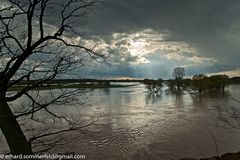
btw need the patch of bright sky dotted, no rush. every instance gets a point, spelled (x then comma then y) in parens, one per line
(139, 44)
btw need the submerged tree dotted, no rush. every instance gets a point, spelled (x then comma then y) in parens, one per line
(202, 83)
(218, 82)
(153, 86)
(178, 74)
(199, 82)
(39, 41)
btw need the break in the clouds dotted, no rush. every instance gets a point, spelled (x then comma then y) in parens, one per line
(147, 53)
(148, 38)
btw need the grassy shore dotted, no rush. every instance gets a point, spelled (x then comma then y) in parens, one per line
(227, 156)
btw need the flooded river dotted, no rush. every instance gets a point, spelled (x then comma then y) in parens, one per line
(132, 124)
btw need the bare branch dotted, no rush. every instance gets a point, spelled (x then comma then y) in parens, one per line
(63, 131)
(35, 53)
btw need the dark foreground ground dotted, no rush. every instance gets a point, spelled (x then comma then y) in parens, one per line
(227, 156)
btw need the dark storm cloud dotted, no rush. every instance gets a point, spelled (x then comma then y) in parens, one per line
(188, 20)
(174, 15)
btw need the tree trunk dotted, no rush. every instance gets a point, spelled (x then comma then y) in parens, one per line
(178, 85)
(16, 140)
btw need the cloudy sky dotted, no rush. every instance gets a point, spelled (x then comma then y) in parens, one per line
(148, 38)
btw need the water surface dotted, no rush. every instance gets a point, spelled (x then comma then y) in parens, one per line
(133, 124)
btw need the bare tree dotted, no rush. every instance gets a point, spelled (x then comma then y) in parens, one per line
(39, 41)
(178, 74)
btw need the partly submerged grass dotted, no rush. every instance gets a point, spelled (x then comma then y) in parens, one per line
(79, 85)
